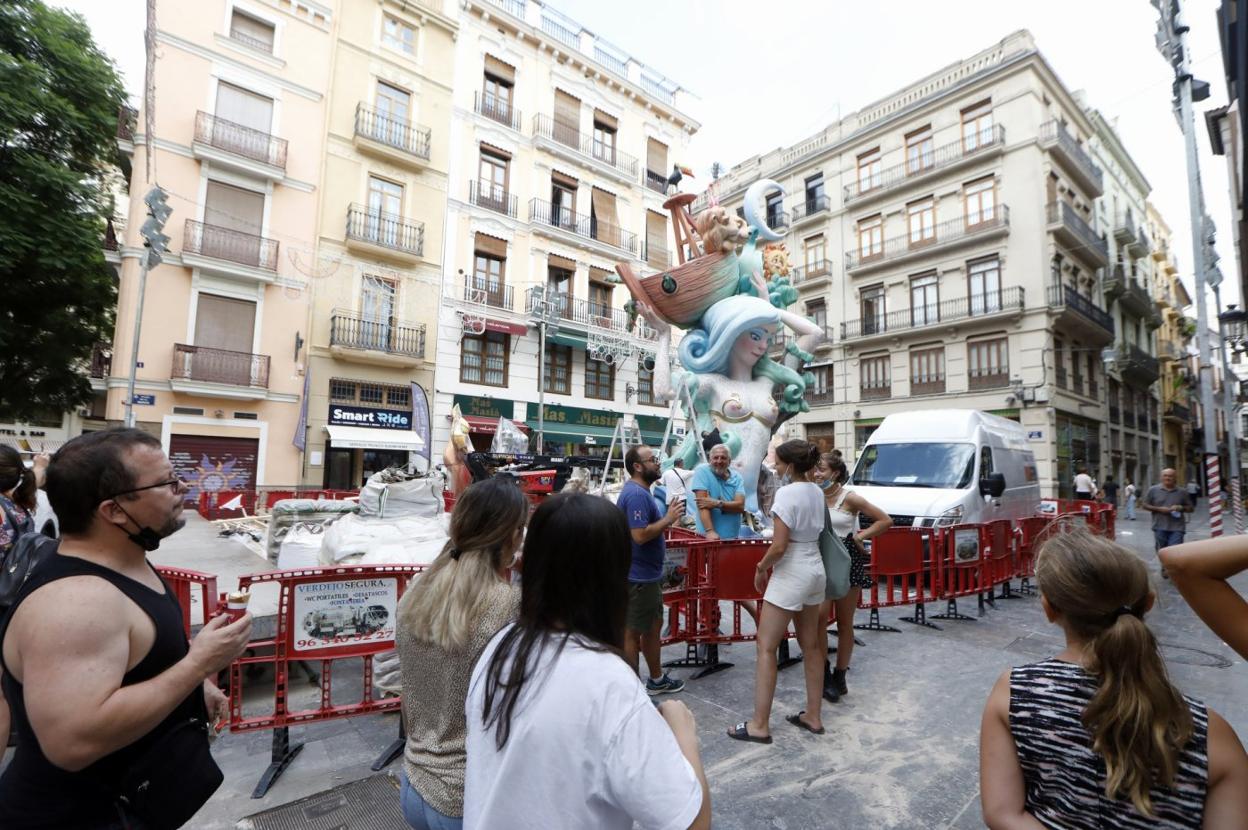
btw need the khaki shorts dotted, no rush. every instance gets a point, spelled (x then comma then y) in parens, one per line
(645, 605)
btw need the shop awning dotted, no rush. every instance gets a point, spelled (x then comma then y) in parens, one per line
(489, 426)
(31, 446)
(594, 436)
(504, 327)
(576, 341)
(366, 438)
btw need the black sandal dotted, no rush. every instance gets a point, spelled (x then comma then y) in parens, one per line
(797, 721)
(741, 732)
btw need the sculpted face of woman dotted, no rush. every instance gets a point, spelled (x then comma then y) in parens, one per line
(753, 343)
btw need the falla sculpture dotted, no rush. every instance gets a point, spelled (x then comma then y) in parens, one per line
(731, 296)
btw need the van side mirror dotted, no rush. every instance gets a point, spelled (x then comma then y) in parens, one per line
(993, 485)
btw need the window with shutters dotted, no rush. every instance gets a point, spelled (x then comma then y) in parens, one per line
(645, 387)
(560, 274)
(920, 151)
(927, 371)
(492, 181)
(775, 210)
(605, 127)
(1059, 361)
(488, 278)
(871, 306)
(820, 391)
(924, 300)
(869, 169)
(251, 32)
(1076, 367)
(604, 224)
(558, 369)
(398, 35)
(225, 323)
(981, 201)
(815, 256)
(815, 198)
(483, 358)
(921, 221)
(343, 390)
(498, 92)
(566, 128)
(816, 310)
(599, 294)
(988, 364)
(875, 380)
(657, 255)
(599, 379)
(984, 285)
(563, 201)
(233, 218)
(377, 312)
(870, 237)
(656, 165)
(976, 126)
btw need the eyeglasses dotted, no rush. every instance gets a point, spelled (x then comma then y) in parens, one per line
(175, 485)
(650, 460)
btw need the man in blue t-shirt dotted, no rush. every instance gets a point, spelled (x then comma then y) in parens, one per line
(719, 496)
(645, 596)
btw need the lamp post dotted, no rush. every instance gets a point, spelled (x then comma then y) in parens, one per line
(1231, 325)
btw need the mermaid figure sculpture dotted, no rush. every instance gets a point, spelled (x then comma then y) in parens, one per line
(730, 377)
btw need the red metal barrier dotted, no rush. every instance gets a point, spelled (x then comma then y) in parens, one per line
(1002, 559)
(905, 561)
(1031, 532)
(324, 614)
(963, 568)
(183, 583)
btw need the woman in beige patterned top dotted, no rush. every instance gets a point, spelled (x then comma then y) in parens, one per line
(445, 619)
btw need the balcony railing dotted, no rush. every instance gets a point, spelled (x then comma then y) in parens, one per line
(1124, 227)
(960, 308)
(250, 42)
(1140, 245)
(945, 232)
(101, 360)
(818, 397)
(201, 363)
(1076, 383)
(1065, 216)
(357, 331)
(1064, 296)
(569, 135)
(583, 312)
(513, 7)
(402, 135)
(940, 158)
(229, 245)
(932, 386)
(656, 181)
(241, 141)
(1054, 134)
(1178, 412)
(492, 197)
(809, 206)
(485, 292)
(811, 271)
(875, 391)
(385, 229)
(544, 213)
(1137, 364)
(561, 33)
(777, 219)
(988, 380)
(127, 119)
(496, 109)
(1135, 299)
(1060, 371)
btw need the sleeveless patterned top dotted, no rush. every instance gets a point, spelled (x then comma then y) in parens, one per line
(1065, 779)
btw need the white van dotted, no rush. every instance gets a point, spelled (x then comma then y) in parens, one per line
(934, 468)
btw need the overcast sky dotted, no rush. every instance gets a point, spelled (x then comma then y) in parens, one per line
(771, 81)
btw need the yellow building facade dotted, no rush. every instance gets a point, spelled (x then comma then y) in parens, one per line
(1173, 341)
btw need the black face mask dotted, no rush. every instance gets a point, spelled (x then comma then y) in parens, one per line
(144, 537)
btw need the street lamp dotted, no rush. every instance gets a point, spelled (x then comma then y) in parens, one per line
(1233, 324)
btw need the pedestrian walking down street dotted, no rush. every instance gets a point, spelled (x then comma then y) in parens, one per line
(445, 620)
(794, 593)
(1111, 490)
(1097, 737)
(643, 625)
(1169, 505)
(111, 705)
(1085, 487)
(560, 732)
(843, 507)
(1129, 493)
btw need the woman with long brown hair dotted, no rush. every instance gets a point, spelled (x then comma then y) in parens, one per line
(445, 619)
(1097, 737)
(844, 506)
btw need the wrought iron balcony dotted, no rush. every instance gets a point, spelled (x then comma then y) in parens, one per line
(941, 158)
(1004, 300)
(542, 213)
(101, 360)
(811, 272)
(492, 197)
(1098, 324)
(820, 397)
(242, 142)
(1140, 245)
(1077, 234)
(1137, 365)
(946, 233)
(656, 181)
(127, 120)
(1115, 283)
(930, 386)
(496, 109)
(1177, 412)
(513, 7)
(1135, 299)
(229, 245)
(353, 330)
(570, 136)
(386, 230)
(581, 312)
(987, 380)
(778, 220)
(484, 292)
(875, 391)
(1124, 227)
(401, 135)
(1062, 144)
(810, 206)
(200, 363)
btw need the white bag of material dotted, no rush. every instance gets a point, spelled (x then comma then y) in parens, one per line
(401, 540)
(301, 548)
(386, 674)
(418, 497)
(509, 439)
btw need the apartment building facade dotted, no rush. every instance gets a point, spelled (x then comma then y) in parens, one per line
(1176, 386)
(951, 238)
(560, 148)
(379, 238)
(241, 90)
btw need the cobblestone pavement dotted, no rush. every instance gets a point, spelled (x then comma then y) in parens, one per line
(901, 749)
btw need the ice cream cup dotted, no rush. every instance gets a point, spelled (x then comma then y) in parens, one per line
(236, 604)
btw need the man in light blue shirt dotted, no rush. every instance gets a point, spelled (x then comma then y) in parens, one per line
(719, 496)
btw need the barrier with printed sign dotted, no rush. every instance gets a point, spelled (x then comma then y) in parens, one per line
(191, 588)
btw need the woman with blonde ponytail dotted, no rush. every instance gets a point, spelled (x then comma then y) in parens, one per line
(445, 619)
(1097, 737)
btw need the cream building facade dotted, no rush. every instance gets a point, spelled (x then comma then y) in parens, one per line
(953, 237)
(238, 143)
(560, 146)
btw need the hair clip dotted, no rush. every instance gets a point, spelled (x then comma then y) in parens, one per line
(1122, 609)
(455, 554)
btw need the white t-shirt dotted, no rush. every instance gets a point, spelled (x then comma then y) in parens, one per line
(586, 749)
(800, 505)
(1084, 483)
(676, 482)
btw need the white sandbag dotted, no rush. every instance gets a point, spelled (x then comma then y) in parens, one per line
(386, 673)
(417, 497)
(403, 551)
(359, 535)
(301, 548)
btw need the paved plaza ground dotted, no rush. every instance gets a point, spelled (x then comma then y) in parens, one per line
(901, 749)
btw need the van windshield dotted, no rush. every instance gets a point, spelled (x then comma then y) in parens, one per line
(944, 466)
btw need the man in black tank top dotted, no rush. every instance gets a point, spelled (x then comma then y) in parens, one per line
(96, 665)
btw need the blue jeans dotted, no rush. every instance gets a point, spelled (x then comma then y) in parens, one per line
(419, 814)
(1131, 507)
(1166, 538)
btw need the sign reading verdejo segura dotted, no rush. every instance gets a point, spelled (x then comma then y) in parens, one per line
(363, 416)
(344, 612)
